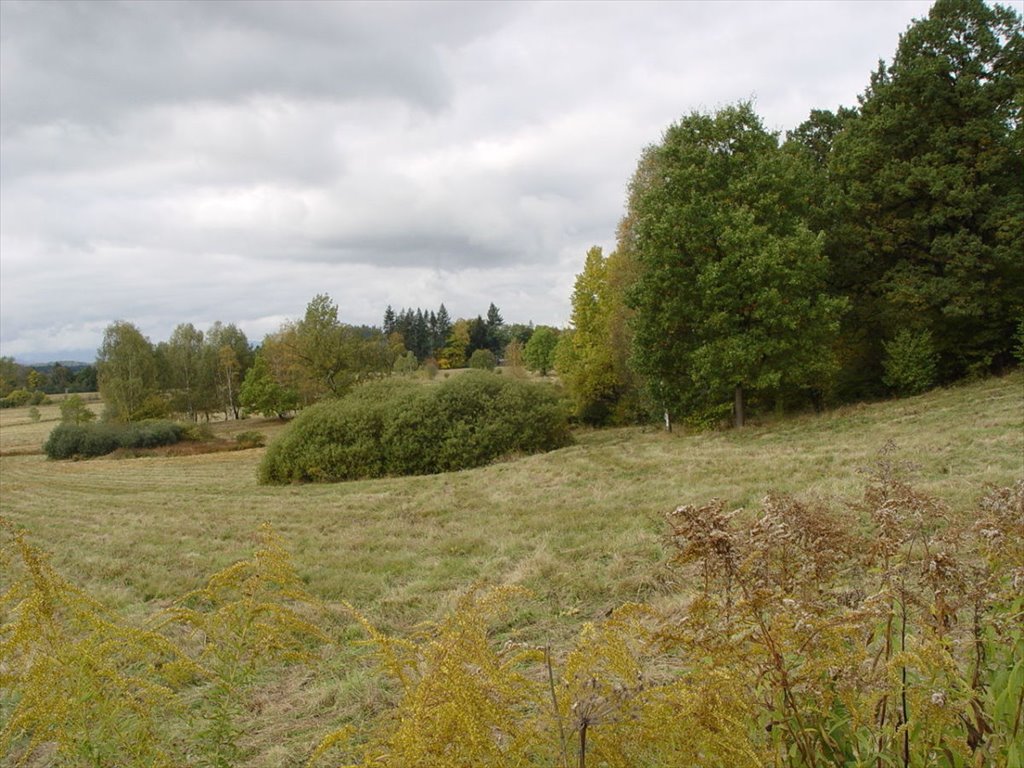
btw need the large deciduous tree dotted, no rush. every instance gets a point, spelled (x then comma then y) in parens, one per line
(730, 295)
(539, 352)
(262, 393)
(592, 355)
(334, 356)
(126, 371)
(319, 356)
(189, 379)
(231, 356)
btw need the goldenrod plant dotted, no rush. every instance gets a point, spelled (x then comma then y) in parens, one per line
(462, 702)
(78, 686)
(249, 616)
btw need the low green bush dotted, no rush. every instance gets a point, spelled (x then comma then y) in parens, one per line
(69, 441)
(910, 362)
(196, 432)
(483, 360)
(399, 427)
(17, 398)
(251, 439)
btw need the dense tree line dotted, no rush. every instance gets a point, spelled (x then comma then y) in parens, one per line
(873, 250)
(196, 374)
(193, 374)
(48, 378)
(431, 335)
(314, 358)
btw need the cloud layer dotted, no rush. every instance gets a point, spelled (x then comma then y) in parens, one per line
(168, 162)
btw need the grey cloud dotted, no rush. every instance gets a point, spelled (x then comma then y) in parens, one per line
(89, 62)
(169, 162)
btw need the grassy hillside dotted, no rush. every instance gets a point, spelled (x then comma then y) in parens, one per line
(582, 528)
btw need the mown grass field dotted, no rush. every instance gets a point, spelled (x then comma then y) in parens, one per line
(582, 528)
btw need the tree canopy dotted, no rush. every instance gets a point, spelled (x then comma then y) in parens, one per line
(927, 194)
(730, 298)
(127, 371)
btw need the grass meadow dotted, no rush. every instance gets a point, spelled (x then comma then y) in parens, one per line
(582, 528)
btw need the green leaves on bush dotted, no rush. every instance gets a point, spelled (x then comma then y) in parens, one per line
(20, 397)
(251, 439)
(73, 410)
(87, 440)
(910, 362)
(483, 360)
(398, 427)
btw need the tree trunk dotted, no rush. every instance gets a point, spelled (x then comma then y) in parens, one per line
(668, 421)
(737, 407)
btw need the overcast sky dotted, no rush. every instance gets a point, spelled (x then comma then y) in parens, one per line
(170, 162)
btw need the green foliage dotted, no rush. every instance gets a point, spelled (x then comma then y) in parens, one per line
(483, 360)
(251, 439)
(331, 356)
(33, 413)
(196, 432)
(12, 375)
(399, 427)
(261, 393)
(592, 357)
(910, 362)
(1018, 351)
(539, 352)
(456, 345)
(70, 441)
(407, 363)
(127, 372)
(73, 410)
(927, 207)
(229, 356)
(17, 398)
(514, 358)
(730, 298)
(153, 406)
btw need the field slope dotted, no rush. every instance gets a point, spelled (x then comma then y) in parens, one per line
(582, 527)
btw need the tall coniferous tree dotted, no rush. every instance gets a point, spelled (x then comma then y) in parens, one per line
(929, 184)
(443, 329)
(496, 338)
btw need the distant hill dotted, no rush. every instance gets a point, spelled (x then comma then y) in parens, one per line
(71, 365)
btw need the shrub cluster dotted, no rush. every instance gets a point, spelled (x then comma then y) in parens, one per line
(251, 439)
(399, 427)
(19, 397)
(87, 440)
